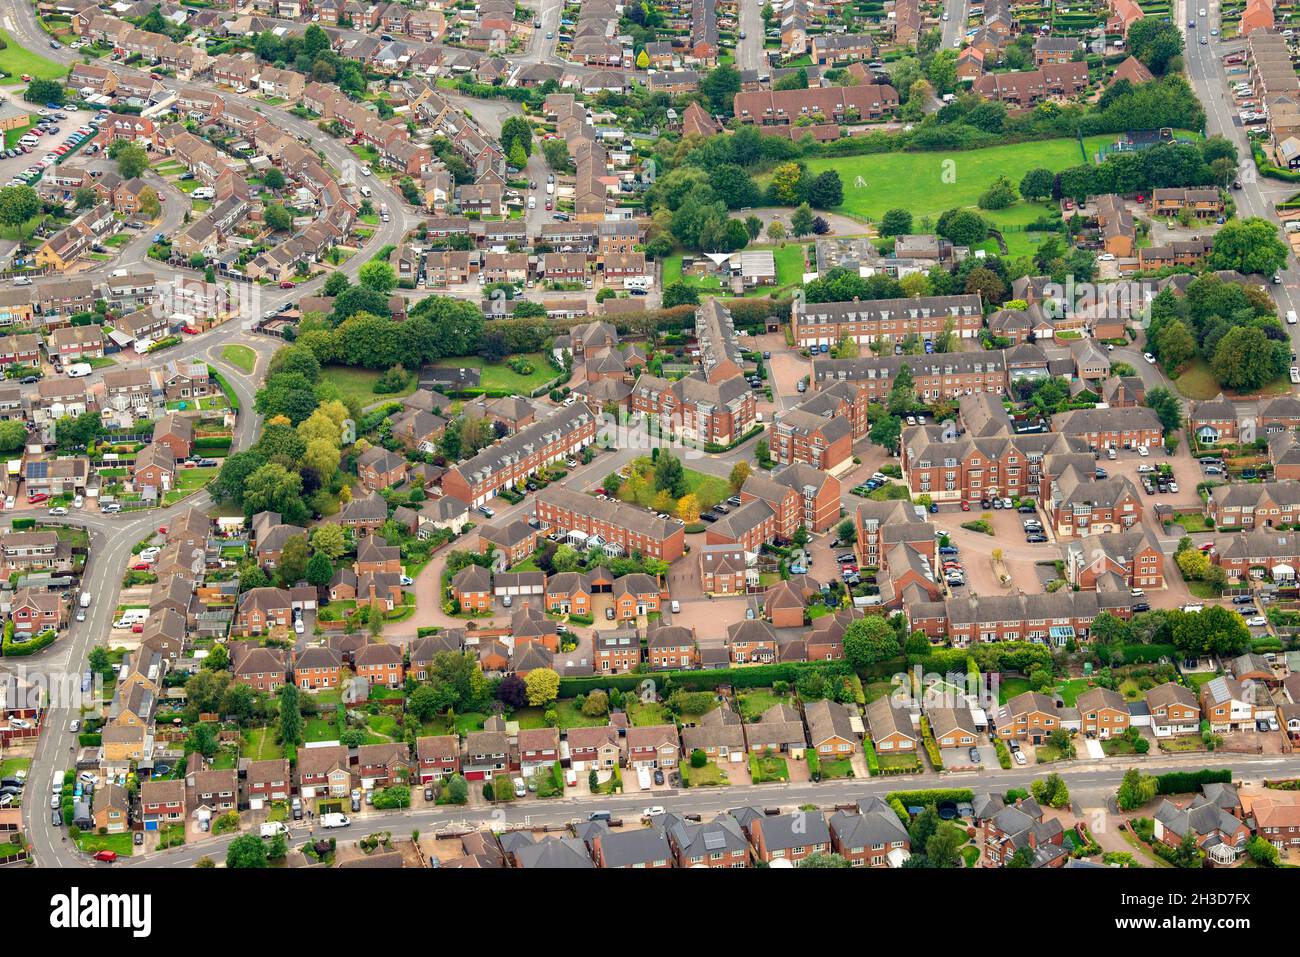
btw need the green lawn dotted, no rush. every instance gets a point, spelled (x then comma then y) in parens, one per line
(10, 765)
(708, 776)
(241, 357)
(768, 768)
(357, 386)
(1197, 381)
(929, 183)
(91, 843)
(836, 769)
(709, 489)
(15, 61)
(1008, 688)
(191, 479)
(754, 703)
(260, 745)
(1070, 691)
(500, 376)
(646, 713)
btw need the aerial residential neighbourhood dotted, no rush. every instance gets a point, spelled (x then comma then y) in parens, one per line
(747, 434)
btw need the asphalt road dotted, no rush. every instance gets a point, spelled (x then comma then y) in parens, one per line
(1091, 785)
(1206, 72)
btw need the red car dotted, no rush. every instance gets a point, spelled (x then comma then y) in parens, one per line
(189, 330)
(137, 629)
(106, 857)
(965, 506)
(162, 529)
(286, 285)
(140, 567)
(549, 207)
(37, 498)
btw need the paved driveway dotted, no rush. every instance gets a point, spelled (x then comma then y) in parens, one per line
(786, 369)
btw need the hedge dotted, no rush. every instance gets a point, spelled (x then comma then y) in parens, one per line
(873, 762)
(931, 796)
(758, 676)
(1185, 782)
(1004, 756)
(213, 443)
(13, 649)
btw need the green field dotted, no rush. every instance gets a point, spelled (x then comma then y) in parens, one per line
(499, 376)
(929, 183)
(15, 61)
(709, 489)
(357, 386)
(242, 357)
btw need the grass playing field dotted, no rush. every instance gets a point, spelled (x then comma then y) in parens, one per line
(15, 61)
(929, 183)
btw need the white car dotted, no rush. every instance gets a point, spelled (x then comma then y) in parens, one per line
(1173, 487)
(654, 810)
(1295, 374)
(1149, 357)
(58, 510)
(365, 170)
(1146, 468)
(298, 627)
(407, 580)
(1106, 257)
(1020, 757)
(1258, 621)
(1142, 451)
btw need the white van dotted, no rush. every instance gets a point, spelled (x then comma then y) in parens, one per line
(365, 190)
(272, 828)
(204, 192)
(334, 820)
(1290, 317)
(550, 189)
(79, 370)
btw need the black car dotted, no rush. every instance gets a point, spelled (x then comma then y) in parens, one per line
(658, 776)
(1036, 539)
(1141, 606)
(138, 838)
(29, 379)
(1026, 510)
(708, 517)
(974, 755)
(1237, 600)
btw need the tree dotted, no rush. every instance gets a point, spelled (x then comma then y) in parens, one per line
(1247, 358)
(801, 220)
(963, 226)
(45, 91)
(823, 860)
(293, 561)
(290, 716)
(896, 222)
(329, 540)
(786, 182)
(720, 86)
(1168, 408)
(596, 704)
(941, 850)
(1051, 790)
(1022, 858)
(869, 640)
(688, 508)
(739, 473)
(13, 435)
(131, 158)
(1135, 790)
(425, 702)
(999, 195)
(669, 476)
(1175, 345)
(826, 191)
(18, 204)
(1037, 184)
(277, 217)
(273, 179)
(273, 488)
(543, 686)
(319, 570)
(150, 207)
(846, 531)
(680, 294)
(512, 692)
(1188, 854)
(378, 275)
(1249, 246)
(245, 852)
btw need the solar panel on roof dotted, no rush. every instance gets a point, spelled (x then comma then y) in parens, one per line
(715, 841)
